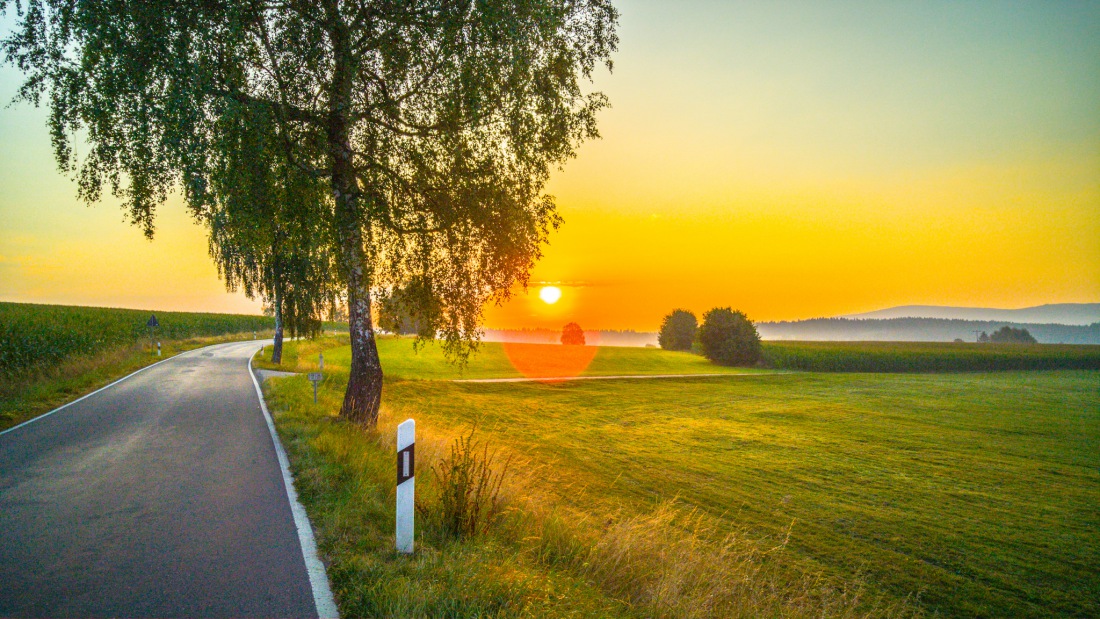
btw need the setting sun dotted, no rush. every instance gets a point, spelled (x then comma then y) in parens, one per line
(550, 294)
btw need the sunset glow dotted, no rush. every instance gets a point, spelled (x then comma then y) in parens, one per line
(791, 160)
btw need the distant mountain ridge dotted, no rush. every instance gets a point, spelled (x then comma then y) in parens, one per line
(1055, 313)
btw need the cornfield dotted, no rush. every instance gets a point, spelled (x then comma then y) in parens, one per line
(928, 356)
(34, 337)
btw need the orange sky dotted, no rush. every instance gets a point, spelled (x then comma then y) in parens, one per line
(788, 159)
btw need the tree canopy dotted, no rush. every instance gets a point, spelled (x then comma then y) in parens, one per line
(1010, 335)
(432, 127)
(729, 338)
(678, 330)
(268, 228)
(572, 335)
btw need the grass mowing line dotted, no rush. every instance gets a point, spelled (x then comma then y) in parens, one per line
(323, 601)
(88, 395)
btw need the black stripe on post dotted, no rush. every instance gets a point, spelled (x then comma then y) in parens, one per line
(406, 464)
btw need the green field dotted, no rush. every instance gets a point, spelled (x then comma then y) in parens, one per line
(35, 337)
(894, 357)
(928, 356)
(400, 361)
(968, 494)
(52, 354)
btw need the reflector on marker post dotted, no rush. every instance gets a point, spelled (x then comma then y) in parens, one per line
(406, 484)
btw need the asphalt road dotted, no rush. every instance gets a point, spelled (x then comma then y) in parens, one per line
(160, 496)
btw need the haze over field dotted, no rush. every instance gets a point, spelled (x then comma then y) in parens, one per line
(792, 160)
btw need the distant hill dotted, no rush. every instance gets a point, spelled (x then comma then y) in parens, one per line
(1057, 313)
(919, 330)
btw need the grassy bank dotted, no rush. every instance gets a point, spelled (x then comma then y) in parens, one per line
(794, 495)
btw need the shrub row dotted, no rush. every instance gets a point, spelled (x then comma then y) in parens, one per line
(38, 336)
(927, 356)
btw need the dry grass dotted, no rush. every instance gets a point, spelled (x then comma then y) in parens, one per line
(674, 563)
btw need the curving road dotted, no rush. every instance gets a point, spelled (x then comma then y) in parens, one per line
(159, 496)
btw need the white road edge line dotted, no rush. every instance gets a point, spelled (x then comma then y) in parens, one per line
(64, 406)
(318, 577)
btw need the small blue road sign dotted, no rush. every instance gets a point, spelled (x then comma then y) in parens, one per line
(152, 321)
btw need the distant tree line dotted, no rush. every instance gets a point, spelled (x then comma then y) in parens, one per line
(918, 330)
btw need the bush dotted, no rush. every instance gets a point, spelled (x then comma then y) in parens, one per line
(678, 330)
(729, 338)
(572, 335)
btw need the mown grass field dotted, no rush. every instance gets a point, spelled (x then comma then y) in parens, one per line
(492, 360)
(969, 494)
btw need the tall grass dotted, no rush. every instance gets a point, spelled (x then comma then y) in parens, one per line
(469, 480)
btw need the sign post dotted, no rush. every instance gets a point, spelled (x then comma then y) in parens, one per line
(153, 324)
(315, 378)
(406, 484)
(320, 361)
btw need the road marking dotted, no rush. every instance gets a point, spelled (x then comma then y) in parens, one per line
(64, 406)
(318, 578)
(550, 379)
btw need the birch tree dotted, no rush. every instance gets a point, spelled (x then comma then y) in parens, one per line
(433, 126)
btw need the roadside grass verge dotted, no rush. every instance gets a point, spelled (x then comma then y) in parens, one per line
(39, 391)
(544, 557)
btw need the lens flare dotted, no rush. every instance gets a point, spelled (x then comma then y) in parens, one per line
(549, 361)
(550, 294)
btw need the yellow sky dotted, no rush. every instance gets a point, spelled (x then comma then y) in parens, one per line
(788, 159)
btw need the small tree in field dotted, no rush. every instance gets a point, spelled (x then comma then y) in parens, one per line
(572, 335)
(729, 338)
(678, 330)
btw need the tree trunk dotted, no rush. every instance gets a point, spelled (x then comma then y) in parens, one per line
(277, 349)
(364, 394)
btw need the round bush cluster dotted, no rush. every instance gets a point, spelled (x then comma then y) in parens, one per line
(729, 338)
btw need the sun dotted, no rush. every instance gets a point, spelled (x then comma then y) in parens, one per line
(550, 294)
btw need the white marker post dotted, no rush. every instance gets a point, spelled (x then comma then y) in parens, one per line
(320, 361)
(406, 484)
